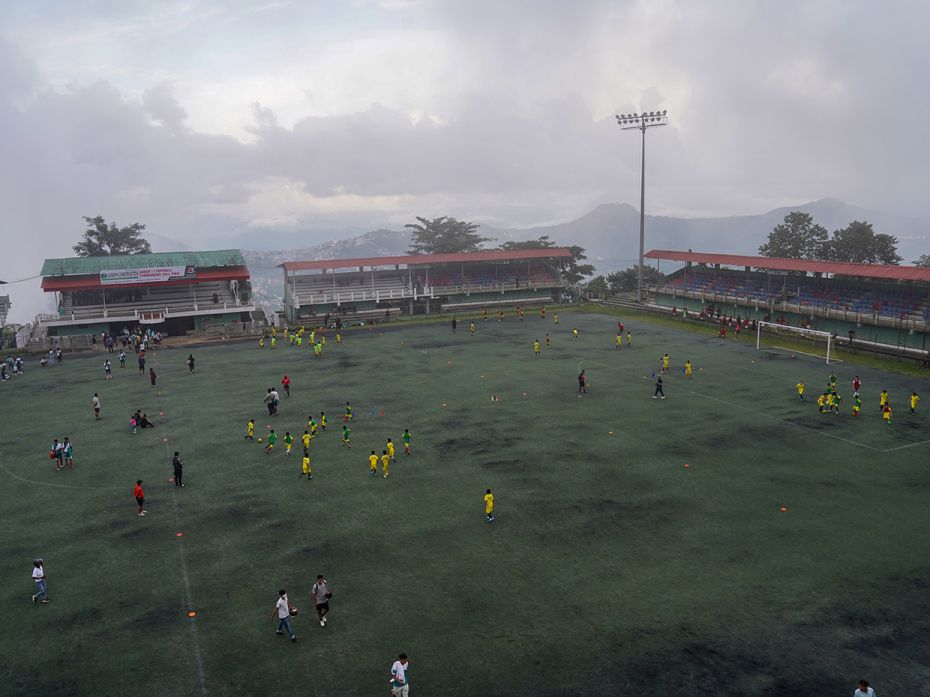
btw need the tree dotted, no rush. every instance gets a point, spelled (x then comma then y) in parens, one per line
(102, 240)
(858, 243)
(628, 279)
(571, 269)
(444, 236)
(923, 260)
(598, 286)
(542, 243)
(799, 237)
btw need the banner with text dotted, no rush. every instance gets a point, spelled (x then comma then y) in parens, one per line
(156, 274)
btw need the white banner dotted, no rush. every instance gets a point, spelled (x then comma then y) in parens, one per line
(154, 274)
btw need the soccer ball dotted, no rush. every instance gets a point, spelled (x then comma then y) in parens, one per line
(294, 611)
(259, 440)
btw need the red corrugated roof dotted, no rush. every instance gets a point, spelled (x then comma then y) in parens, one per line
(898, 273)
(230, 273)
(420, 259)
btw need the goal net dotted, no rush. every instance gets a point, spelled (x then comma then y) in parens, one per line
(810, 342)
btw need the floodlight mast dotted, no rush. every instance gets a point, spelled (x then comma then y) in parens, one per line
(641, 122)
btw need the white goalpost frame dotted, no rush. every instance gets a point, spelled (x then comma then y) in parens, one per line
(798, 330)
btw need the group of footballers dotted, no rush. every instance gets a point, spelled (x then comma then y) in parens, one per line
(314, 429)
(316, 338)
(829, 401)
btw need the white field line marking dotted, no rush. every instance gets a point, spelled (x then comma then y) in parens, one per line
(192, 622)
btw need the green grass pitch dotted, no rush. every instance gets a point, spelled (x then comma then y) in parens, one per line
(612, 567)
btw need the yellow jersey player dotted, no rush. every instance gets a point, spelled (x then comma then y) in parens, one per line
(883, 400)
(261, 343)
(348, 414)
(619, 340)
(831, 402)
(338, 337)
(373, 464)
(390, 450)
(800, 388)
(886, 413)
(323, 420)
(915, 400)
(665, 362)
(574, 334)
(288, 442)
(250, 430)
(305, 467)
(489, 505)
(555, 317)
(471, 328)
(548, 341)
(536, 346)
(385, 462)
(687, 369)
(305, 439)
(822, 403)
(629, 339)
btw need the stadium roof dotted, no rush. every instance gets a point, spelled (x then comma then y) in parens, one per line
(424, 259)
(80, 266)
(898, 273)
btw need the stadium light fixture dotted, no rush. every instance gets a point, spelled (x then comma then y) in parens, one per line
(641, 122)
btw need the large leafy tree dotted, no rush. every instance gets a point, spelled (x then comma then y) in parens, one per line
(628, 279)
(444, 236)
(923, 260)
(798, 237)
(102, 240)
(860, 244)
(572, 269)
(598, 286)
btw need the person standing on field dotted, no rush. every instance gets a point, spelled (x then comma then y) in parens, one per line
(140, 497)
(190, 362)
(178, 468)
(38, 576)
(96, 404)
(286, 384)
(864, 690)
(321, 595)
(282, 610)
(400, 678)
(153, 376)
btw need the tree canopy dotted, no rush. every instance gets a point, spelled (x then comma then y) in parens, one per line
(444, 236)
(628, 279)
(798, 237)
(102, 240)
(571, 269)
(598, 286)
(923, 260)
(860, 244)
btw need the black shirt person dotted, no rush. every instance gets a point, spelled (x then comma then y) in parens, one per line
(178, 467)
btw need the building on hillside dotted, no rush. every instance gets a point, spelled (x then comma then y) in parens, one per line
(421, 284)
(832, 296)
(171, 292)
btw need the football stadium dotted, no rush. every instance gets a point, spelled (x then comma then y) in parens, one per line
(668, 505)
(417, 348)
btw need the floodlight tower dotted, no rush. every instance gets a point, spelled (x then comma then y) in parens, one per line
(642, 122)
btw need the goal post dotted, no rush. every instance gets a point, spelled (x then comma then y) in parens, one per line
(813, 335)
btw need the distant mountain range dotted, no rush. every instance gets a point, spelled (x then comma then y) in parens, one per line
(610, 236)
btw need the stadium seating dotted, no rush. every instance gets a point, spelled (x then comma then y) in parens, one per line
(173, 298)
(815, 293)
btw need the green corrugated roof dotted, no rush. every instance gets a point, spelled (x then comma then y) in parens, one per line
(78, 266)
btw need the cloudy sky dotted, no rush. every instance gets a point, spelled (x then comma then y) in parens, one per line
(206, 120)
